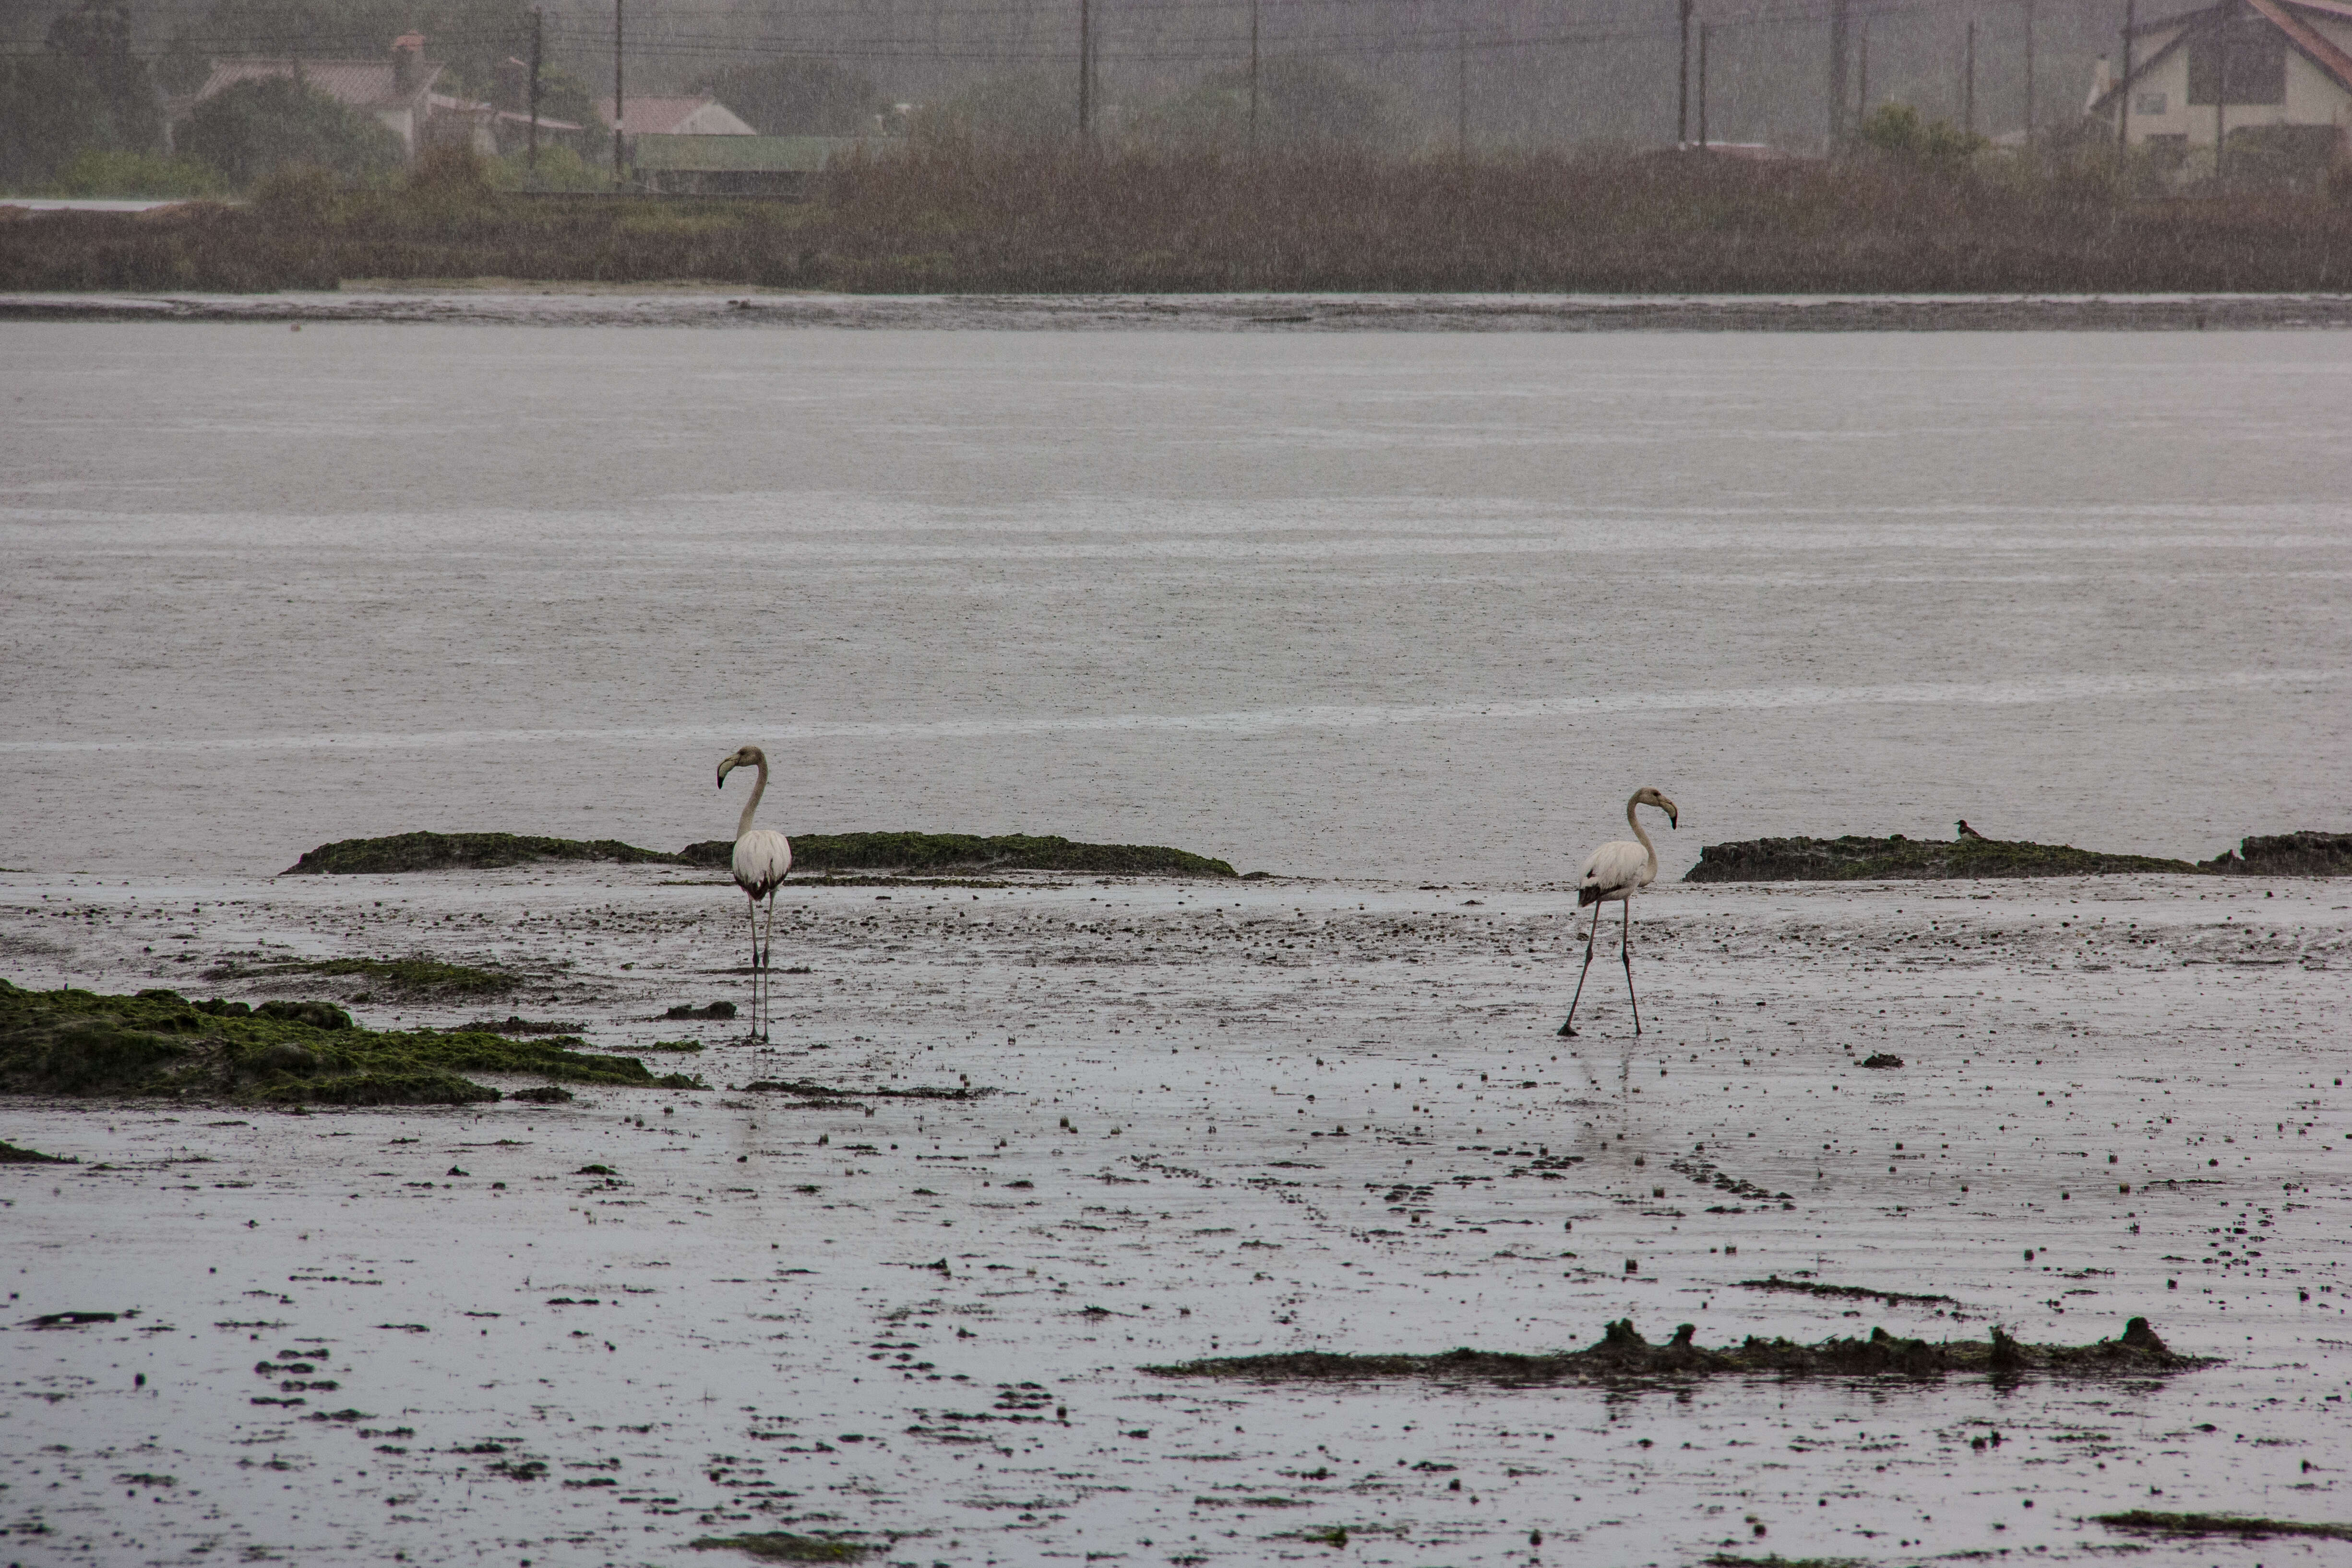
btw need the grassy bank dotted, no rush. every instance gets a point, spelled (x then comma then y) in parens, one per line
(959, 219)
(921, 853)
(160, 1044)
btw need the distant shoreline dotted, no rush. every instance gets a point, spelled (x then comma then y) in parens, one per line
(560, 305)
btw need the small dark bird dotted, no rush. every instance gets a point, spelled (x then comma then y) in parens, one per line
(1968, 832)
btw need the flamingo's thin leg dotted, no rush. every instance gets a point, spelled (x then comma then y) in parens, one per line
(1625, 951)
(754, 910)
(1569, 1028)
(767, 970)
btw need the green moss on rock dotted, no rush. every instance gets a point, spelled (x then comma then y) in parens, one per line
(1623, 1354)
(821, 852)
(1857, 859)
(413, 978)
(2287, 854)
(81, 1043)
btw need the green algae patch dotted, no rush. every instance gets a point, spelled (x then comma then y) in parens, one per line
(779, 1546)
(1845, 1292)
(158, 1043)
(1623, 1354)
(2287, 854)
(824, 853)
(461, 852)
(2146, 1521)
(11, 1154)
(410, 978)
(1897, 860)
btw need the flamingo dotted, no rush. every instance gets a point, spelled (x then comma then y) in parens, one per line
(762, 857)
(1617, 870)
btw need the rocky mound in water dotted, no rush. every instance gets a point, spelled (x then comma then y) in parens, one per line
(1856, 860)
(2287, 854)
(919, 852)
(1624, 1353)
(159, 1043)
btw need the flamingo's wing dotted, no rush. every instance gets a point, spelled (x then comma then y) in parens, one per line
(762, 857)
(1612, 871)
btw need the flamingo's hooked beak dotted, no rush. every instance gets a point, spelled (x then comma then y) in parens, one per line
(722, 771)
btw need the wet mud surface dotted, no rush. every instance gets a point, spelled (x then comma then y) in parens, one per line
(1012, 1147)
(539, 305)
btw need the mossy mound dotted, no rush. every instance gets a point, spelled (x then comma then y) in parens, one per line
(1623, 1354)
(780, 1546)
(81, 1043)
(1856, 860)
(461, 851)
(921, 853)
(411, 978)
(2287, 854)
(2148, 1521)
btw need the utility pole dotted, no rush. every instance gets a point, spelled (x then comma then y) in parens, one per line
(1837, 75)
(1462, 93)
(1682, 111)
(620, 104)
(2029, 73)
(538, 45)
(1704, 30)
(1861, 76)
(2123, 85)
(1253, 80)
(1968, 85)
(1085, 69)
(2220, 103)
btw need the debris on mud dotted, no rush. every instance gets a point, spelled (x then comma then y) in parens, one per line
(81, 1043)
(1624, 1353)
(10, 1154)
(821, 852)
(1897, 858)
(777, 1546)
(2145, 1522)
(1882, 1059)
(688, 1010)
(810, 1090)
(1843, 1292)
(512, 1024)
(413, 978)
(2304, 854)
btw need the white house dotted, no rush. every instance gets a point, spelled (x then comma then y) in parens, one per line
(2202, 76)
(396, 90)
(703, 116)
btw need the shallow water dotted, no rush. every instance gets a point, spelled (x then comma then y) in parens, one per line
(746, 1328)
(1414, 604)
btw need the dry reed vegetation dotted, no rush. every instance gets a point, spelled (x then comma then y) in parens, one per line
(945, 217)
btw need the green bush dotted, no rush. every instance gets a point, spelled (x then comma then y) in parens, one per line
(1896, 132)
(256, 128)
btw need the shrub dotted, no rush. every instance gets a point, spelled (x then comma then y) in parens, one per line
(1896, 132)
(113, 172)
(256, 128)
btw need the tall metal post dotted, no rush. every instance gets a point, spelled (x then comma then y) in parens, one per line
(1252, 78)
(1968, 85)
(1085, 69)
(538, 47)
(1861, 76)
(1461, 93)
(2029, 72)
(620, 104)
(2222, 102)
(2123, 85)
(1837, 75)
(1705, 29)
(1682, 109)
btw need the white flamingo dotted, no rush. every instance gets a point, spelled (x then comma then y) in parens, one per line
(1616, 870)
(762, 857)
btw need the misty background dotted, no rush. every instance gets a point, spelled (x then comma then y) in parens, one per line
(1405, 73)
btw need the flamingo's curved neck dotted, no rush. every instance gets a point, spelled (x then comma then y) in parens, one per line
(1631, 821)
(760, 788)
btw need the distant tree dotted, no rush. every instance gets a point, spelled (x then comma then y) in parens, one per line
(796, 97)
(182, 65)
(1301, 103)
(309, 29)
(1005, 111)
(51, 110)
(96, 35)
(257, 127)
(563, 96)
(1895, 131)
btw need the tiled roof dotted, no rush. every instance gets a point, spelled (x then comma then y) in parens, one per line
(661, 116)
(362, 84)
